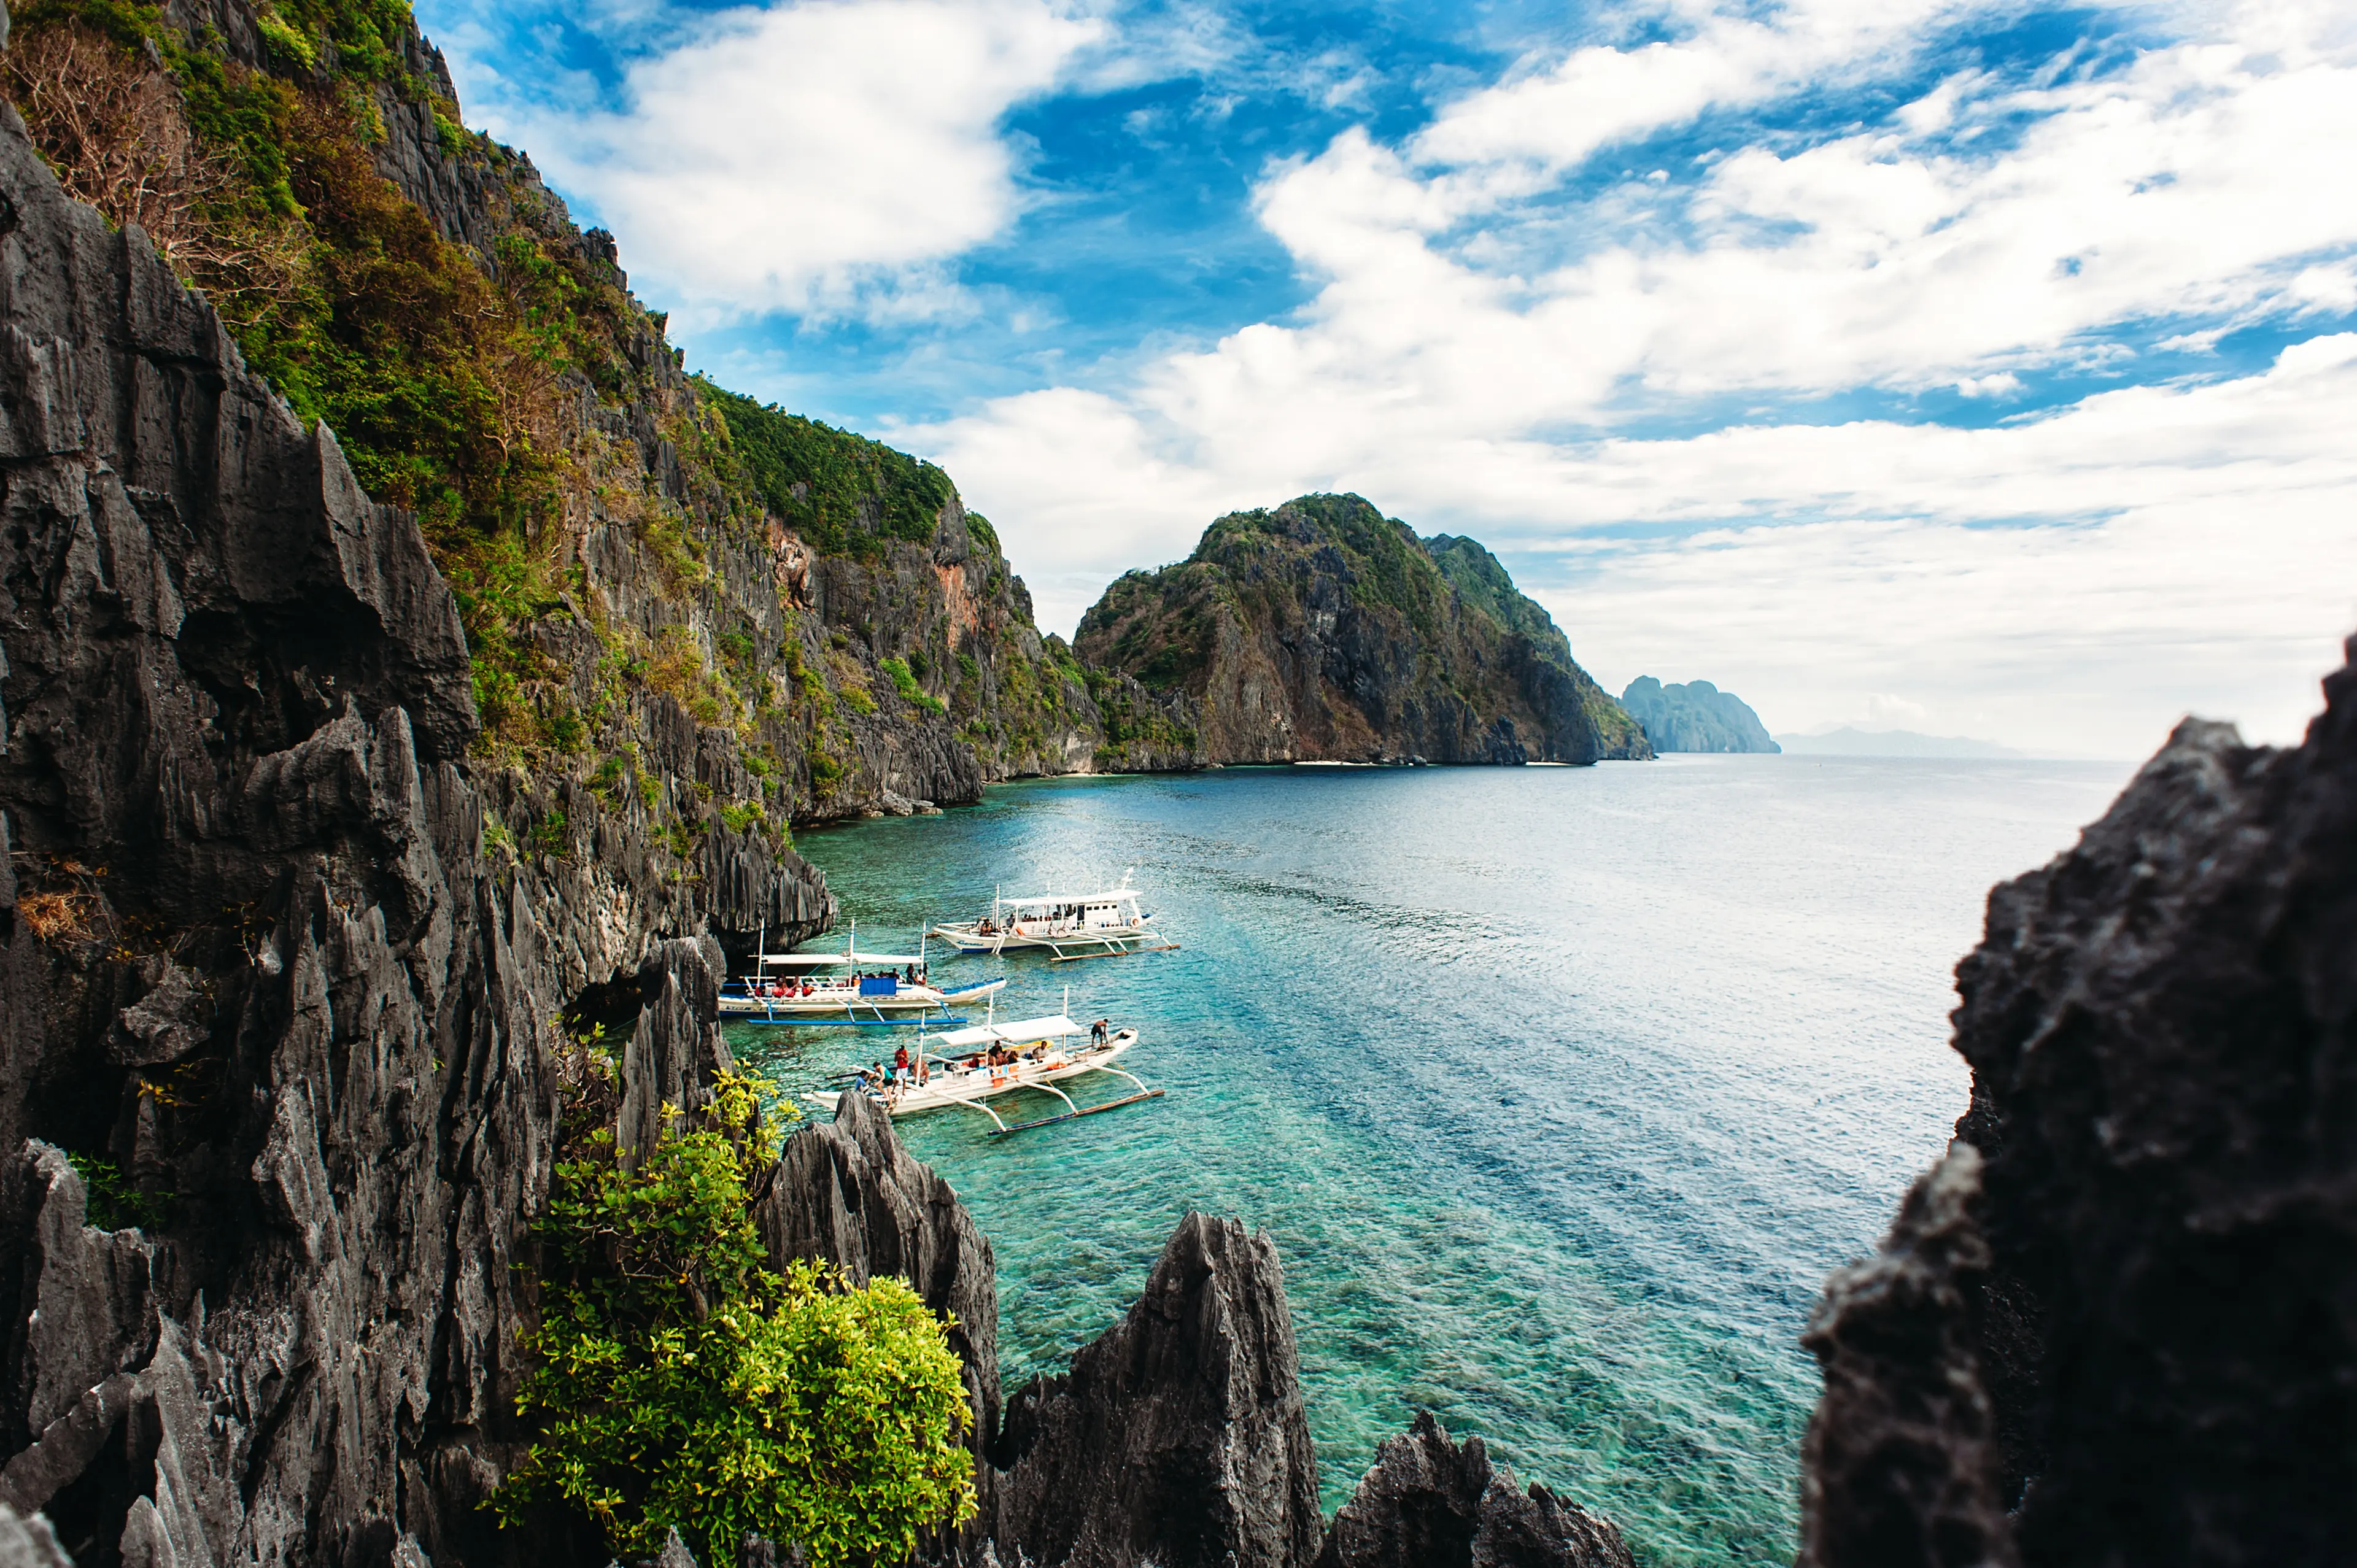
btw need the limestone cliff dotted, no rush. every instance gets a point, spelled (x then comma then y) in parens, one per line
(1324, 630)
(1695, 716)
(2118, 1323)
(282, 957)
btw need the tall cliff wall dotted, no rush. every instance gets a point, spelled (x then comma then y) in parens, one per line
(2118, 1324)
(281, 959)
(1324, 630)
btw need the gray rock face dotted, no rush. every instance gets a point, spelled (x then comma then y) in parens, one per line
(2148, 1316)
(1429, 1503)
(1901, 1462)
(847, 1193)
(1179, 1437)
(273, 981)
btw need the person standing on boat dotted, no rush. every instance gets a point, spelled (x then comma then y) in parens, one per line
(900, 1069)
(1099, 1032)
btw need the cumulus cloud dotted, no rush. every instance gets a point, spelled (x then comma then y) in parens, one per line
(813, 157)
(2099, 564)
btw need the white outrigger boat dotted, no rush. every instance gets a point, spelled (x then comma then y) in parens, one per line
(999, 1060)
(1069, 925)
(803, 992)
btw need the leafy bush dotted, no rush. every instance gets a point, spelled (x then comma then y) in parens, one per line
(283, 42)
(746, 814)
(682, 1385)
(904, 681)
(111, 1201)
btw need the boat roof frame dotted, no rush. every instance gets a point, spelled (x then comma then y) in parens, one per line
(1053, 1026)
(1040, 901)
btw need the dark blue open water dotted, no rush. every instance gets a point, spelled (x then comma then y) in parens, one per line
(1559, 1088)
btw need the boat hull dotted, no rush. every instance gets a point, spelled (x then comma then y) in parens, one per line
(968, 936)
(950, 1089)
(849, 1005)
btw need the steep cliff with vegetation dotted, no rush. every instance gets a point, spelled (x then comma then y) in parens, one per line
(1323, 630)
(819, 609)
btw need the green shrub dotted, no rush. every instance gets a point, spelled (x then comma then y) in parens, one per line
(904, 681)
(826, 769)
(111, 1201)
(821, 481)
(548, 836)
(681, 1384)
(288, 45)
(736, 818)
(858, 699)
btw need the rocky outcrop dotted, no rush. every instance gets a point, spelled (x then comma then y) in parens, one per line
(2130, 1294)
(1696, 716)
(847, 1193)
(1324, 630)
(1177, 1438)
(1431, 1503)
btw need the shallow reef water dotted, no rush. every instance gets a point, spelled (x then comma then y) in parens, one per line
(1559, 1088)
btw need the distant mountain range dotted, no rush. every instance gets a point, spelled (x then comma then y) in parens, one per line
(1696, 716)
(1850, 742)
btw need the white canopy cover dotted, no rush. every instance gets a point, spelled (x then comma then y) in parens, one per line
(1011, 1034)
(822, 960)
(1050, 900)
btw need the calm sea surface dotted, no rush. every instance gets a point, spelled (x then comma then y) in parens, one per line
(1560, 1090)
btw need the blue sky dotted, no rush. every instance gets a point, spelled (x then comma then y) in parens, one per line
(1978, 368)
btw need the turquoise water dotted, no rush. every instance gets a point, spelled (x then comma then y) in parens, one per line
(1560, 1090)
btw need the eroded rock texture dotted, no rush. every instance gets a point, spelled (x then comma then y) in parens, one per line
(1179, 1437)
(255, 959)
(1433, 1503)
(2149, 1312)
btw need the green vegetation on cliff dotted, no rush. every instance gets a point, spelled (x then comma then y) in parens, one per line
(842, 493)
(1482, 578)
(683, 1385)
(597, 512)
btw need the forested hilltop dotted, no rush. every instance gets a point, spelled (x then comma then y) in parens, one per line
(1323, 630)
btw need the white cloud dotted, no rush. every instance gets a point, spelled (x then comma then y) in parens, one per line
(2084, 574)
(813, 157)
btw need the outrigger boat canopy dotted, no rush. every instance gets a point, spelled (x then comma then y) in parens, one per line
(1024, 1033)
(826, 959)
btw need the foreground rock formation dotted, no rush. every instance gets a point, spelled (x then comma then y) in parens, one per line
(1324, 630)
(2118, 1324)
(1433, 1503)
(1179, 1438)
(261, 972)
(1695, 716)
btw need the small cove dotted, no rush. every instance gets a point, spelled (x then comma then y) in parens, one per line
(1560, 1090)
